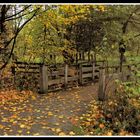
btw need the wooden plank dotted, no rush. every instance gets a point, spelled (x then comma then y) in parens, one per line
(73, 78)
(93, 71)
(86, 69)
(43, 79)
(53, 73)
(19, 71)
(66, 75)
(56, 81)
(27, 67)
(101, 90)
(87, 75)
(25, 63)
(97, 67)
(80, 75)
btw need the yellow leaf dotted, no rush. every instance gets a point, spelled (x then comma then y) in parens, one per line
(71, 133)
(19, 131)
(50, 113)
(53, 129)
(58, 130)
(11, 120)
(36, 134)
(22, 126)
(1, 126)
(88, 119)
(61, 116)
(57, 124)
(62, 134)
(87, 123)
(33, 98)
(28, 132)
(109, 133)
(38, 111)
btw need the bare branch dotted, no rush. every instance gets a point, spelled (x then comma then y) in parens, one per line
(17, 13)
(19, 16)
(14, 39)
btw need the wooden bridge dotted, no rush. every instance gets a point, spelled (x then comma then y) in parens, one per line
(54, 77)
(62, 76)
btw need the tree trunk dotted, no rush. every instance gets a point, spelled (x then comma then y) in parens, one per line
(95, 57)
(89, 55)
(2, 20)
(83, 55)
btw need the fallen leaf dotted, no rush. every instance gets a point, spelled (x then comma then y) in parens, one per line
(19, 131)
(1, 126)
(101, 125)
(71, 133)
(57, 130)
(61, 116)
(62, 134)
(50, 113)
(22, 126)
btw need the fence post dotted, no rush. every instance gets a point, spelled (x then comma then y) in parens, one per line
(43, 79)
(66, 75)
(80, 75)
(93, 70)
(101, 90)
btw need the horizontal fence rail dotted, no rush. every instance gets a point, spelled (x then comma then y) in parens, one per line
(53, 77)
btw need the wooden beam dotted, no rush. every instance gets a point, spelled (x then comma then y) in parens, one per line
(101, 90)
(43, 79)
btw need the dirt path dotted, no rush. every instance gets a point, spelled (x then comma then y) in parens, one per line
(53, 114)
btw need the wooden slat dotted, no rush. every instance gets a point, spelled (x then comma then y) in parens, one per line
(53, 73)
(72, 78)
(25, 63)
(86, 69)
(27, 67)
(19, 71)
(56, 81)
(87, 75)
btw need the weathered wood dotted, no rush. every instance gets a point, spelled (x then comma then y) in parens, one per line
(72, 78)
(25, 63)
(43, 79)
(28, 67)
(62, 80)
(93, 71)
(86, 69)
(21, 71)
(101, 90)
(66, 75)
(80, 74)
(56, 81)
(87, 75)
(53, 74)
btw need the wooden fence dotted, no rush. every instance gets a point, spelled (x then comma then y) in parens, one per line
(113, 72)
(54, 77)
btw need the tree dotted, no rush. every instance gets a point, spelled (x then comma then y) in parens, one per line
(8, 35)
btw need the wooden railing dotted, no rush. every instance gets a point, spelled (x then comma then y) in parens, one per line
(114, 73)
(59, 76)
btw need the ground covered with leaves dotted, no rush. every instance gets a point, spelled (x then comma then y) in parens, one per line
(72, 112)
(118, 115)
(57, 113)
